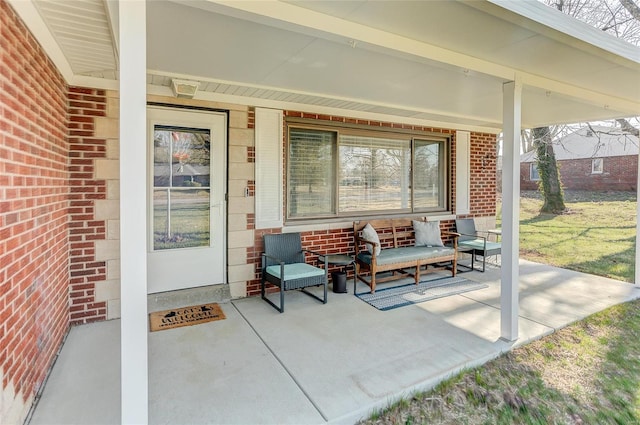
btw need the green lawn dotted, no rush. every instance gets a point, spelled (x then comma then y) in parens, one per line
(596, 235)
(586, 373)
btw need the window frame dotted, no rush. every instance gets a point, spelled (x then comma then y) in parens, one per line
(338, 129)
(533, 167)
(594, 169)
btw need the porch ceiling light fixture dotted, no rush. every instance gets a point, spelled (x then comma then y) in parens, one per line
(184, 89)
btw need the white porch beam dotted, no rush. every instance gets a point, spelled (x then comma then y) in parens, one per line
(300, 19)
(133, 263)
(509, 304)
(306, 21)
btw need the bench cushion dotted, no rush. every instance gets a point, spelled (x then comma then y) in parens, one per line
(406, 253)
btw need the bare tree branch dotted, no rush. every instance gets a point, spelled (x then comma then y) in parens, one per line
(632, 8)
(626, 126)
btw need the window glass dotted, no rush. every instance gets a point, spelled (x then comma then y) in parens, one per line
(181, 193)
(374, 174)
(428, 174)
(311, 173)
(354, 172)
(533, 173)
(597, 166)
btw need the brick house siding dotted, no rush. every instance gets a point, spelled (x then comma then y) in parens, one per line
(619, 173)
(59, 206)
(483, 175)
(34, 208)
(340, 240)
(84, 229)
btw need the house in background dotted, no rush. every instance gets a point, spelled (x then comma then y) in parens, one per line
(595, 158)
(147, 147)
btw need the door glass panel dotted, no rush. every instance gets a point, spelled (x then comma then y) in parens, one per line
(181, 192)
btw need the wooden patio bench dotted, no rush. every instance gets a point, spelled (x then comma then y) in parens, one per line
(396, 250)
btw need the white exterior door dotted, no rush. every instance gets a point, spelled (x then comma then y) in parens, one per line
(186, 201)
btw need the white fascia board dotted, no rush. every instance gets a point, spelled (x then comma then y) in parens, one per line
(112, 9)
(29, 14)
(94, 82)
(567, 29)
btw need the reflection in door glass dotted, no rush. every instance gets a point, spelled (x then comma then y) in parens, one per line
(181, 192)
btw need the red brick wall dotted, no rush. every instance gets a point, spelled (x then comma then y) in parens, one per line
(34, 250)
(482, 164)
(84, 149)
(483, 175)
(483, 189)
(525, 177)
(620, 173)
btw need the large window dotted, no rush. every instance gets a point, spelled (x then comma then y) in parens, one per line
(348, 172)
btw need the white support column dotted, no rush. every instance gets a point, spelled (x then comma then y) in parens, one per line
(511, 117)
(133, 224)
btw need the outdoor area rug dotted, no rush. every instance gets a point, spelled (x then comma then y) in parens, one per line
(185, 316)
(399, 296)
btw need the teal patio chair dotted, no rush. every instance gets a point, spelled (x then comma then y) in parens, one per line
(470, 240)
(284, 265)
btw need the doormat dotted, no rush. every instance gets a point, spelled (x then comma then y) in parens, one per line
(399, 296)
(185, 316)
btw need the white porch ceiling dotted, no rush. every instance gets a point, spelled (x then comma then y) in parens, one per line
(441, 62)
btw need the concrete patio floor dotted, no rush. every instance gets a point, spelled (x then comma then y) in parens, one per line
(314, 364)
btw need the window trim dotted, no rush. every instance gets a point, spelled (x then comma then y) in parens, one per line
(593, 165)
(340, 128)
(533, 167)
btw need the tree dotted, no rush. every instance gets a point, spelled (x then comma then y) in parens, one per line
(548, 170)
(618, 17)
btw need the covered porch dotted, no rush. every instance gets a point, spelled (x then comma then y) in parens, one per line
(467, 70)
(316, 364)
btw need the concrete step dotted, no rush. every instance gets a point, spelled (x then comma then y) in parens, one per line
(188, 297)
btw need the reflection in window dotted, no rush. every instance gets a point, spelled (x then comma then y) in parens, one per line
(347, 172)
(533, 172)
(310, 189)
(374, 174)
(429, 172)
(181, 192)
(597, 166)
